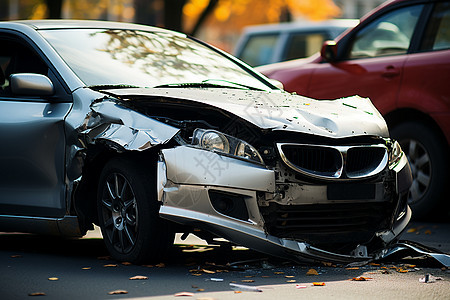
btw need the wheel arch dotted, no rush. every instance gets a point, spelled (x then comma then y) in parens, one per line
(403, 115)
(85, 195)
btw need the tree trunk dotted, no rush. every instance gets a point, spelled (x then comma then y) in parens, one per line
(206, 12)
(54, 9)
(173, 14)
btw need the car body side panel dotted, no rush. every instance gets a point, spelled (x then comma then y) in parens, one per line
(32, 143)
(429, 94)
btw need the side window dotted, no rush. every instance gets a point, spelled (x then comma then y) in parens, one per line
(15, 57)
(388, 35)
(304, 44)
(259, 49)
(437, 34)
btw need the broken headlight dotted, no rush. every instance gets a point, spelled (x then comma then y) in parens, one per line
(395, 154)
(219, 142)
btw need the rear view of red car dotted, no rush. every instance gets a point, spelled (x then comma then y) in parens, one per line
(399, 57)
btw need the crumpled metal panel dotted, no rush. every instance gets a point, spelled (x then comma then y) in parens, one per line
(131, 130)
(275, 110)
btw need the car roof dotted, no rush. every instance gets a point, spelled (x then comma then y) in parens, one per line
(76, 24)
(301, 25)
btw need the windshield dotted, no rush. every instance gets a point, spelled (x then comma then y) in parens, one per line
(144, 59)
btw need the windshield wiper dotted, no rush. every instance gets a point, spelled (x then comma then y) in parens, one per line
(206, 84)
(112, 86)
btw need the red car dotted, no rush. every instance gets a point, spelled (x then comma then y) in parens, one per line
(399, 57)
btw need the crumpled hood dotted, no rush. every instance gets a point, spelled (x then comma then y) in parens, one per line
(352, 116)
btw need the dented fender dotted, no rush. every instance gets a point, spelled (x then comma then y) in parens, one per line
(131, 130)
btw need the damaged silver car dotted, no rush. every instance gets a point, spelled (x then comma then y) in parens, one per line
(147, 132)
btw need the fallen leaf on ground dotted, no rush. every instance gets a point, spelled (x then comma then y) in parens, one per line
(110, 265)
(289, 276)
(16, 256)
(37, 294)
(86, 268)
(427, 231)
(318, 283)
(374, 264)
(148, 266)
(291, 281)
(237, 292)
(200, 290)
(104, 257)
(208, 271)
(352, 268)
(249, 276)
(53, 278)
(161, 265)
(117, 292)
(126, 263)
(247, 280)
(184, 294)
(278, 273)
(139, 277)
(361, 278)
(312, 272)
(411, 230)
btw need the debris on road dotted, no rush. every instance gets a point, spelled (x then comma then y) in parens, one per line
(184, 294)
(312, 272)
(37, 294)
(318, 283)
(244, 288)
(428, 278)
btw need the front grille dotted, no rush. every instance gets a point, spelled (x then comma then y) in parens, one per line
(314, 159)
(334, 162)
(363, 160)
(325, 224)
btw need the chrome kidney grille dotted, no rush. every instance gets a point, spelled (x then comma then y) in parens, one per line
(334, 162)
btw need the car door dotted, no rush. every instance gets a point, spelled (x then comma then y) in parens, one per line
(32, 141)
(373, 61)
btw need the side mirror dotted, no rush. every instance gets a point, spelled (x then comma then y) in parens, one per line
(31, 84)
(329, 51)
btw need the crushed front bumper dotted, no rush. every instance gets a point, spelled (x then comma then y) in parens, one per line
(219, 194)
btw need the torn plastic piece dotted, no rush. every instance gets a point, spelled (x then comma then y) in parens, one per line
(244, 288)
(428, 278)
(408, 246)
(216, 279)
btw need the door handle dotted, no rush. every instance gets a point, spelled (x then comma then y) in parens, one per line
(390, 72)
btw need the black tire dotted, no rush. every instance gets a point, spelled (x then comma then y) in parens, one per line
(128, 213)
(427, 156)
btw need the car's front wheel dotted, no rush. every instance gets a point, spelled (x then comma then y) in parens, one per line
(427, 157)
(128, 213)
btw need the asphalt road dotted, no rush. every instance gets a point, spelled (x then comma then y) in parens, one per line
(80, 269)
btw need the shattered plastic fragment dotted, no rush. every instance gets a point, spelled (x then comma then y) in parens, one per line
(216, 279)
(428, 278)
(244, 288)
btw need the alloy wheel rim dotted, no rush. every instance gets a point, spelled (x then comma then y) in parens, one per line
(120, 214)
(420, 163)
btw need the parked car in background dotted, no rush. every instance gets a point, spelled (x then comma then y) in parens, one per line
(137, 129)
(399, 57)
(265, 44)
